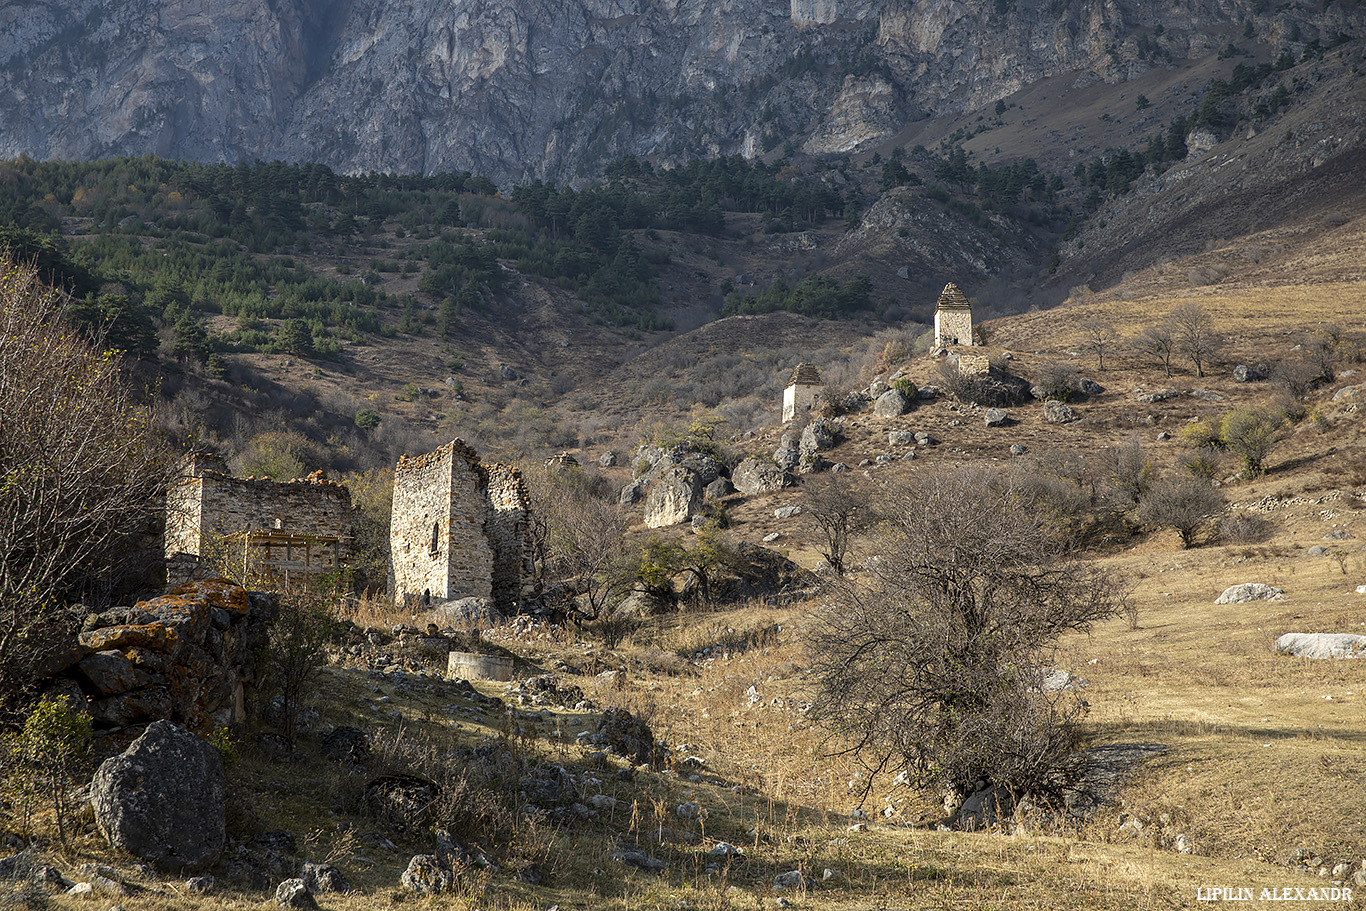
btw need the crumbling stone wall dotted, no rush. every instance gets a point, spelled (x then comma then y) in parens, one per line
(186, 656)
(208, 504)
(508, 533)
(459, 528)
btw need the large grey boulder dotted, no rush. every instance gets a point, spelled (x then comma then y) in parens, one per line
(891, 404)
(674, 498)
(995, 417)
(1249, 591)
(818, 436)
(787, 455)
(1322, 645)
(754, 476)
(426, 875)
(632, 493)
(465, 612)
(161, 800)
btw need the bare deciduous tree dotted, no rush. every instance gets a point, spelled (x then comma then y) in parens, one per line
(1100, 337)
(578, 538)
(1158, 344)
(83, 470)
(840, 511)
(933, 660)
(1195, 335)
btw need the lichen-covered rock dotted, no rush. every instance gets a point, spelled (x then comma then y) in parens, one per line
(1250, 591)
(1058, 412)
(627, 735)
(426, 875)
(995, 417)
(293, 893)
(756, 476)
(890, 404)
(161, 800)
(817, 436)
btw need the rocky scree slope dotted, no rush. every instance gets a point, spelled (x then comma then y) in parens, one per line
(554, 89)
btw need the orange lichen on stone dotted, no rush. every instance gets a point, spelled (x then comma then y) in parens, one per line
(153, 636)
(216, 593)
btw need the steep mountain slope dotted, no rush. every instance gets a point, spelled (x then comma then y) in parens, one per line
(551, 89)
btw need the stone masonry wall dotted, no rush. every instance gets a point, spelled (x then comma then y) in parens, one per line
(508, 534)
(797, 400)
(208, 505)
(953, 327)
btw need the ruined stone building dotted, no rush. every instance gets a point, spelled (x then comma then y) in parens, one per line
(805, 391)
(459, 528)
(952, 318)
(253, 528)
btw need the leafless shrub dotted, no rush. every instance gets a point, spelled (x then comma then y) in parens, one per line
(1207, 275)
(1181, 502)
(932, 660)
(1057, 380)
(1100, 338)
(1157, 344)
(1243, 528)
(83, 471)
(1200, 463)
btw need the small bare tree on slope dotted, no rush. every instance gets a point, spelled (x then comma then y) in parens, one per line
(933, 660)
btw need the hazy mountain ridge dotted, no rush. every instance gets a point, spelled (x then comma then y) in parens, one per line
(548, 89)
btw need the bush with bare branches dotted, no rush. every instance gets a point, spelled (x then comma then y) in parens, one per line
(83, 472)
(933, 660)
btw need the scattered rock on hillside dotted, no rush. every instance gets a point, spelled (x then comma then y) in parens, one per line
(1245, 373)
(900, 438)
(162, 799)
(995, 417)
(425, 875)
(627, 735)
(1058, 412)
(1322, 645)
(817, 437)
(1089, 387)
(788, 454)
(1157, 395)
(891, 404)
(755, 476)
(347, 745)
(1339, 535)
(1318, 550)
(792, 879)
(465, 612)
(787, 512)
(1018, 449)
(323, 878)
(608, 459)
(634, 857)
(293, 893)
(1250, 591)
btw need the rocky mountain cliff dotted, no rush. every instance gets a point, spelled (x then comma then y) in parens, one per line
(555, 88)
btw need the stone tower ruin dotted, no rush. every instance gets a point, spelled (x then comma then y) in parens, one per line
(459, 528)
(952, 318)
(253, 526)
(804, 392)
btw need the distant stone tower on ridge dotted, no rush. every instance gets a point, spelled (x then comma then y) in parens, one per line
(952, 318)
(804, 391)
